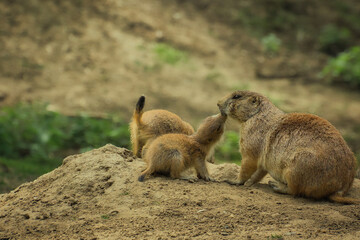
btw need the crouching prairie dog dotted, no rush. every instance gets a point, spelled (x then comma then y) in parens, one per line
(146, 126)
(174, 153)
(304, 153)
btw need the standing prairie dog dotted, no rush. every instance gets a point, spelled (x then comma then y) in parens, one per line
(146, 126)
(304, 153)
(174, 153)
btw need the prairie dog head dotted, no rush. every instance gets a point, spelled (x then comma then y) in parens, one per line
(241, 105)
(211, 129)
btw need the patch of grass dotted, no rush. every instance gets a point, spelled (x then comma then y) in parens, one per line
(29, 130)
(228, 151)
(276, 236)
(333, 39)
(267, 17)
(125, 193)
(28, 166)
(105, 216)
(271, 44)
(352, 138)
(34, 140)
(344, 68)
(168, 54)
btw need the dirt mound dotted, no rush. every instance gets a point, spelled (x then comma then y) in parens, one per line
(96, 195)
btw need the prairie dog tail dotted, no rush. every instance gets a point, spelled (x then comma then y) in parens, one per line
(147, 172)
(344, 200)
(139, 109)
(141, 177)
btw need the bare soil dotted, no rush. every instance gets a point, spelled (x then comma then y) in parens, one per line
(99, 58)
(96, 195)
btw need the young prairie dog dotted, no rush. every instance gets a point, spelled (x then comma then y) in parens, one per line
(174, 153)
(146, 126)
(304, 153)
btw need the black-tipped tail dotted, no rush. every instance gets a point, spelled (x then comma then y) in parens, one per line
(140, 104)
(141, 178)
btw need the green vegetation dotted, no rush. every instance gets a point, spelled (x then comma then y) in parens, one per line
(167, 54)
(276, 236)
(352, 137)
(344, 68)
(271, 44)
(333, 39)
(125, 193)
(267, 17)
(34, 140)
(228, 151)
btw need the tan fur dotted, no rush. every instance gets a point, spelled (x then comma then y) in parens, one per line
(304, 153)
(146, 126)
(174, 153)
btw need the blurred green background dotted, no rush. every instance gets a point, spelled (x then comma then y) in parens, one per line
(71, 71)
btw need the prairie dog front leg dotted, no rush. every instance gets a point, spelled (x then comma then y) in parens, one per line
(256, 177)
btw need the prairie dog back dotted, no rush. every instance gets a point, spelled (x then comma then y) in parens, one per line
(174, 153)
(146, 126)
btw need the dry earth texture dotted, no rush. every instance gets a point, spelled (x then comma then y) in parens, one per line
(99, 57)
(96, 195)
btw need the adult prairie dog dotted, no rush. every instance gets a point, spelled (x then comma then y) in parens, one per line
(146, 126)
(304, 153)
(174, 153)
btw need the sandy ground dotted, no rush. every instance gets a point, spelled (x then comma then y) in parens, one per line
(96, 195)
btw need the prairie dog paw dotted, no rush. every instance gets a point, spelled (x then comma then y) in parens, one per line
(273, 184)
(212, 179)
(207, 178)
(192, 180)
(237, 183)
(248, 183)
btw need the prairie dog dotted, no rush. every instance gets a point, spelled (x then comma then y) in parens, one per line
(304, 153)
(146, 126)
(174, 153)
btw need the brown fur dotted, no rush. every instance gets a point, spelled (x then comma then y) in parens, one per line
(174, 153)
(304, 153)
(146, 126)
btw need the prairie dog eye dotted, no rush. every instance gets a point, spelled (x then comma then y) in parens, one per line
(237, 96)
